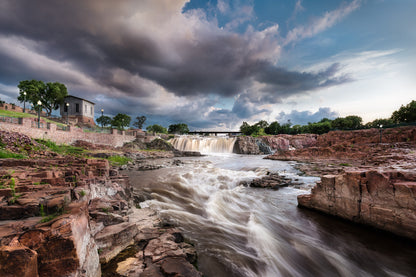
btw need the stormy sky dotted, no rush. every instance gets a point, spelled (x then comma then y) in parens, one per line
(214, 64)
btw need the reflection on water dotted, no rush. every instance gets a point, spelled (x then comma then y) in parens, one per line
(240, 231)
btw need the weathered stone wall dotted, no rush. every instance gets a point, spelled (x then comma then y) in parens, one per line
(385, 200)
(59, 136)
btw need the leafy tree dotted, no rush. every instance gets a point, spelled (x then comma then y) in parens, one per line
(285, 128)
(262, 124)
(140, 120)
(156, 129)
(273, 129)
(300, 129)
(325, 120)
(346, 123)
(380, 121)
(245, 128)
(50, 94)
(355, 122)
(180, 128)
(120, 121)
(405, 113)
(104, 120)
(319, 127)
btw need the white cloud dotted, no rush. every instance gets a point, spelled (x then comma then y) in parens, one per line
(321, 24)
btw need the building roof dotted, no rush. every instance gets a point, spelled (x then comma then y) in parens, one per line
(80, 98)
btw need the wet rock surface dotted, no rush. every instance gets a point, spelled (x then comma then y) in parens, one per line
(272, 181)
(338, 151)
(385, 200)
(63, 216)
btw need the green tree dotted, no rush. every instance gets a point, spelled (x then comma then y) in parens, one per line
(180, 128)
(273, 129)
(120, 121)
(346, 123)
(299, 129)
(50, 94)
(140, 120)
(245, 128)
(262, 124)
(319, 127)
(286, 128)
(156, 129)
(355, 122)
(104, 120)
(380, 121)
(405, 113)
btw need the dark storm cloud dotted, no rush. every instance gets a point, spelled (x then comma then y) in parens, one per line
(285, 83)
(245, 108)
(89, 35)
(303, 117)
(127, 52)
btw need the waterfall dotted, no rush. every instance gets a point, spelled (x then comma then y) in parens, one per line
(204, 144)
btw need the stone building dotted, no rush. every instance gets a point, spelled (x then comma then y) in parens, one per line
(78, 110)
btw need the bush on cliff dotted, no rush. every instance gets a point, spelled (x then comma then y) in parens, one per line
(405, 113)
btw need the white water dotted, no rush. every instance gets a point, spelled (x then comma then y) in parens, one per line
(240, 231)
(204, 144)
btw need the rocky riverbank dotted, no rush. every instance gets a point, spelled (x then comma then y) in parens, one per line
(74, 216)
(382, 199)
(371, 182)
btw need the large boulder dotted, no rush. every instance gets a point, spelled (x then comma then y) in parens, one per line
(385, 200)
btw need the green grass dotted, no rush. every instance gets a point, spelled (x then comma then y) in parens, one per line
(16, 114)
(27, 115)
(344, 164)
(61, 148)
(4, 154)
(49, 217)
(119, 160)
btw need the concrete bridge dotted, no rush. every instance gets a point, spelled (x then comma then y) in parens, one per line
(215, 133)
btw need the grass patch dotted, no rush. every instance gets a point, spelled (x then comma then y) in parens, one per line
(26, 115)
(344, 164)
(49, 217)
(62, 149)
(119, 160)
(4, 154)
(16, 114)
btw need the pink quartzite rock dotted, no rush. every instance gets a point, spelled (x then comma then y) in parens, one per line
(385, 200)
(18, 261)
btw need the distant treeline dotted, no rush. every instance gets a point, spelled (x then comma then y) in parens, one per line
(406, 114)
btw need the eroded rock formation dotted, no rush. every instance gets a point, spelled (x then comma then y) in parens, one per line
(385, 200)
(63, 216)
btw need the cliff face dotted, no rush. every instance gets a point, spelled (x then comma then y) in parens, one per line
(267, 144)
(385, 200)
(246, 145)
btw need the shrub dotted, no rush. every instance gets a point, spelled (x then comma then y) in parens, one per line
(118, 160)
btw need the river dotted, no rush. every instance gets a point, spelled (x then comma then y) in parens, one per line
(243, 231)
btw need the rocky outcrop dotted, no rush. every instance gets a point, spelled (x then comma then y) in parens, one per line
(62, 216)
(273, 181)
(269, 144)
(382, 199)
(246, 145)
(290, 142)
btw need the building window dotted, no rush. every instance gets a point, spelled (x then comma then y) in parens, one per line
(91, 110)
(65, 108)
(77, 108)
(85, 110)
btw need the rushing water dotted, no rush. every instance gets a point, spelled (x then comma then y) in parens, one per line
(242, 231)
(204, 144)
